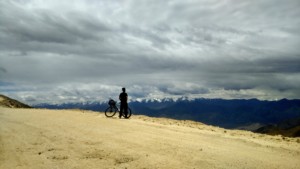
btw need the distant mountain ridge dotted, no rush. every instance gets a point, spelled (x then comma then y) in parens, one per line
(219, 112)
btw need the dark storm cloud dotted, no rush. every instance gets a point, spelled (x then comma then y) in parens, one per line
(66, 50)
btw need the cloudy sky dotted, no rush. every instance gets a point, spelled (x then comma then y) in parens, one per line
(54, 51)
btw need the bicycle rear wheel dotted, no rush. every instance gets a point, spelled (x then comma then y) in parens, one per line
(128, 113)
(110, 111)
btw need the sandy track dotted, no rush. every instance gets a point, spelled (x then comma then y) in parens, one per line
(40, 138)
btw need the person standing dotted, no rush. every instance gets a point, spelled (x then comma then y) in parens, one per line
(124, 105)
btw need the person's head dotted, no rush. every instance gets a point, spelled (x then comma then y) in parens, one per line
(123, 89)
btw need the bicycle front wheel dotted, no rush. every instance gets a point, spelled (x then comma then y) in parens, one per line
(110, 111)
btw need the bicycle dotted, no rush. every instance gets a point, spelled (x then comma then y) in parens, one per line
(112, 110)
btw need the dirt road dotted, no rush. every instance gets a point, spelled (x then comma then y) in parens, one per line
(75, 139)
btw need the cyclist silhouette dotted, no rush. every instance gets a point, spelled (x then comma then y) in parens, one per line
(124, 105)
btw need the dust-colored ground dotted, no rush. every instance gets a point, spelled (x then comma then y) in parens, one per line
(75, 139)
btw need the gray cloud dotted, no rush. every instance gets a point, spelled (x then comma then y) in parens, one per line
(86, 50)
(3, 70)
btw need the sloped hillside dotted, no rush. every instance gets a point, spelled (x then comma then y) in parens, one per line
(288, 128)
(8, 102)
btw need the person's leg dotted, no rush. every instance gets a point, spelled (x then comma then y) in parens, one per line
(121, 110)
(126, 110)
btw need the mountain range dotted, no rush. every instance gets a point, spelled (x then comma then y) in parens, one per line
(267, 117)
(248, 114)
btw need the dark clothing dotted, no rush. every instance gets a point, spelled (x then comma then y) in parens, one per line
(124, 106)
(124, 109)
(123, 97)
